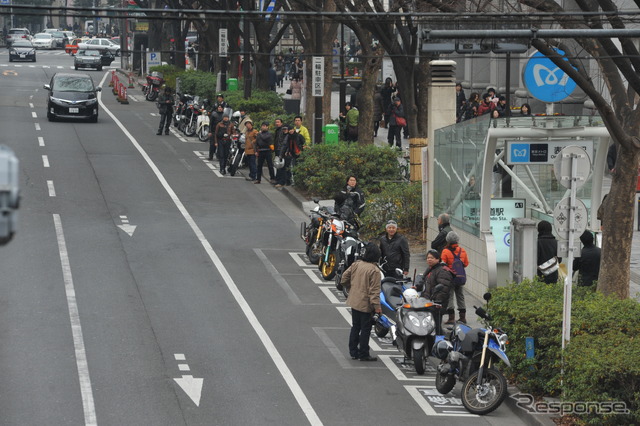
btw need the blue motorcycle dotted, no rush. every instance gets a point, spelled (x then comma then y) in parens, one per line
(470, 356)
(391, 290)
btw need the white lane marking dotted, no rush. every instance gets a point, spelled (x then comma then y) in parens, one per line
(45, 160)
(37, 126)
(312, 274)
(179, 357)
(133, 98)
(60, 67)
(426, 407)
(52, 190)
(398, 374)
(126, 227)
(346, 314)
(293, 297)
(183, 367)
(285, 372)
(34, 114)
(332, 298)
(40, 141)
(76, 328)
(298, 258)
(30, 105)
(192, 387)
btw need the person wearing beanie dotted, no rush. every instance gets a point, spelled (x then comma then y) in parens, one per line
(440, 241)
(457, 291)
(362, 279)
(394, 250)
(222, 142)
(547, 250)
(588, 264)
(264, 152)
(437, 273)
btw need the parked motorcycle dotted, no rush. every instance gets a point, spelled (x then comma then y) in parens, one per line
(203, 122)
(191, 117)
(350, 250)
(469, 356)
(334, 231)
(236, 153)
(154, 82)
(179, 115)
(391, 290)
(415, 329)
(311, 232)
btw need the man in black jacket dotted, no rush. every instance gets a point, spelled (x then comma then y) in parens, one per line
(588, 264)
(440, 241)
(394, 250)
(165, 109)
(264, 145)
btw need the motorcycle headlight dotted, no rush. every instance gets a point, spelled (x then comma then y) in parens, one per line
(428, 322)
(414, 320)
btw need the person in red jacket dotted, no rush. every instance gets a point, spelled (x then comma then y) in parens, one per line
(486, 106)
(458, 290)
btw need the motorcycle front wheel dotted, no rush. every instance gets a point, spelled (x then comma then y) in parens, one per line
(152, 95)
(444, 382)
(420, 360)
(233, 168)
(190, 130)
(204, 133)
(314, 250)
(328, 268)
(483, 398)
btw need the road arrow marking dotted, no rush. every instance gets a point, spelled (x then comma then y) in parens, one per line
(129, 229)
(192, 387)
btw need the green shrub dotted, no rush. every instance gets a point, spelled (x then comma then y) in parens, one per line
(322, 169)
(198, 83)
(401, 202)
(601, 360)
(169, 72)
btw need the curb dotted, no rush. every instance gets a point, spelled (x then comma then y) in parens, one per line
(295, 197)
(527, 417)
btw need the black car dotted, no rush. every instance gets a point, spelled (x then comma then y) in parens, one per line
(72, 96)
(88, 59)
(22, 50)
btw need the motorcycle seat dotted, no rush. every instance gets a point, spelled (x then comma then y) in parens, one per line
(392, 293)
(469, 337)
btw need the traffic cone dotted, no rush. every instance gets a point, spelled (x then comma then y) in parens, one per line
(355, 71)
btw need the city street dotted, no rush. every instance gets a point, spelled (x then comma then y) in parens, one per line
(145, 288)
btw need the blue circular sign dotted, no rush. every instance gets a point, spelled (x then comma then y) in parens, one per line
(545, 80)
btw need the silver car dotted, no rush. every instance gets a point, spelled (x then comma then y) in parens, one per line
(16, 34)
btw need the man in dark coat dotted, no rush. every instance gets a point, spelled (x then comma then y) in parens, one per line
(165, 109)
(395, 110)
(547, 250)
(394, 250)
(588, 264)
(436, 284)
(440, 241)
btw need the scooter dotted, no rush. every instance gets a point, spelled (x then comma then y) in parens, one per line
(469, 356)
(154, 83)
(203, 122)
(391, 290)
(415, 329)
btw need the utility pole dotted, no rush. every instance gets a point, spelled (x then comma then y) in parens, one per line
(343, 82)
(317, 125)
(246, 68)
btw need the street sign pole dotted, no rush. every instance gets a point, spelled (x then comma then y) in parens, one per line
(566, 314)
(222, 48)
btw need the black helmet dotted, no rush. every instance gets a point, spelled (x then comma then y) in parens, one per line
(441, 349)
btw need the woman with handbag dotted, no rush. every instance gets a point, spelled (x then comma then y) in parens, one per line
(397, 121)
(548, 261)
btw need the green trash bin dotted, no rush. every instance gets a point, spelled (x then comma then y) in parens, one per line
(331, 134)
(232, 84)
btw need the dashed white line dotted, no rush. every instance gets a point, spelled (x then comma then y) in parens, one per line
(30, 105)
(40, 141)
(76, 328)
(34, 114)
(52, 189)
(179, 357)
(183, 367)
(37, 126)
(45, 161)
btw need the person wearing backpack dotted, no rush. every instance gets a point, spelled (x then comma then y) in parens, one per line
(456, 259)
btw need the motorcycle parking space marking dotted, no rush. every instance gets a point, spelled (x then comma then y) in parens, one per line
(314, 277)
(345, 311)
(343, 359)
(435, 404)
(405, 371)
(332, 298)
(203, 155)
(300, 259)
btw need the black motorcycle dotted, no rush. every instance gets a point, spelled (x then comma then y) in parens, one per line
(349, 250)
(180, 110)
(311, 232)
(236, 153)
(470, 355)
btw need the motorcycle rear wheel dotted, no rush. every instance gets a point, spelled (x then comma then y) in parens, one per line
(420, 360)
(444, 382)
(204, 133)
(328, 268)
(152, 95)
(314, 251)
(486, 397)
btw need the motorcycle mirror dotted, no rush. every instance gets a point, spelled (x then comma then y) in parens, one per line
(316, 200)
(487, 296)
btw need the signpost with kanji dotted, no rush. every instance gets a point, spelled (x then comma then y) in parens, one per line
(318, 76)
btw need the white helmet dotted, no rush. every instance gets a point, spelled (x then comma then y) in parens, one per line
(278, 162)
(409, 294)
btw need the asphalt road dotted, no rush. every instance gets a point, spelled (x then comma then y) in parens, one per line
(205, 313)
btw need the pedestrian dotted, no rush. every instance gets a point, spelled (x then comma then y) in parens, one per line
(223, 132)
(502, 107)
(588, 264)
(295, 87)
(273, 78)
(440, 241)
(291, 148)
(362, 279)
(250, 136)
(278, 64)
(486, 106)
(216, 117)
(350, 196)
(165, 109)
(378, 109)
(220, 101)
(461, 101)
(264, 152)
(451, 253)
(436, 284)
(243, 119)
(387, 92)
(525, 110)
(471, 107)
(396, 122)
(295, 71)
(297, 121)
(279, 136)
(394, 251)
(548, 262)
(351, 122)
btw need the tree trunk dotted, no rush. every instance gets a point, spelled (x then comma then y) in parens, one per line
(370, 71)
(618, 225)
(404, 70)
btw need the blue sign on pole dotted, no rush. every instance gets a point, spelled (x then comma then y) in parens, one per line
(545, 80)
(3, 2)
